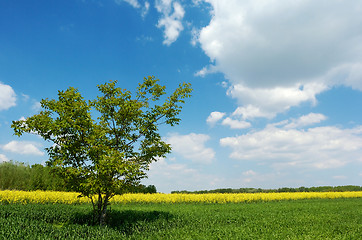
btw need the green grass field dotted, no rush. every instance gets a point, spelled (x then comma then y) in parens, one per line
(301, 219)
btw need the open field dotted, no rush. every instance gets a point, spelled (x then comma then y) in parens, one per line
(62, 215)
(298, 219)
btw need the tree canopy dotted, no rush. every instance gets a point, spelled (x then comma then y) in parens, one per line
(107, 155)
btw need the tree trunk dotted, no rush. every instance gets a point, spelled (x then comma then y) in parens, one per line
(103, 212)
(100, 209)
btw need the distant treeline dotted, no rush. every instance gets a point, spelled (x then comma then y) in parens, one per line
(285, 189)
(20, 176)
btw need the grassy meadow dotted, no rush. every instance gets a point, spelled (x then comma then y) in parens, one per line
(308, 218)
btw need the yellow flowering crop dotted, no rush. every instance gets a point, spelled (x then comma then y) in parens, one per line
(12, 196)
(229, 197)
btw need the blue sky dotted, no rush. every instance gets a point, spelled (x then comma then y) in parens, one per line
(277, 84)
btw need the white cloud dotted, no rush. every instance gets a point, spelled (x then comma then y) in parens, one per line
(27, 148)
(320, 147)
(3, 158)
(214, 117)
(7, 97)
(162, 174)
(144, 39)
(192, 146)
(249, 177)
(278, 54)
(279, 41)
(206, 70)
(133, 3)
(172, 15)
(145, 9)
(36, 106)
(249, 173)
(25, 97)
(196, 2)
(306, 120)
(340, 177)
(235, 124)
(168, 176)
(136, 4)
(267, 102)
(250, 112)
(194, 38)
(348, 74)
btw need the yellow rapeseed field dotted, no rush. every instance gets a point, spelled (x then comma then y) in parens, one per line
(12, 196)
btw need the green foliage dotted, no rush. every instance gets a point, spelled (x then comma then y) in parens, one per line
(302, 219)
(348, 188)
(43, 178)
(20, 176)
(108, 155)
(14, 175)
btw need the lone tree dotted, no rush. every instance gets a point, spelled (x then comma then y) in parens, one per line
(105, 156)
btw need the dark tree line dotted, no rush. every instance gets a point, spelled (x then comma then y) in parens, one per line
(285, 189)
(21, 176)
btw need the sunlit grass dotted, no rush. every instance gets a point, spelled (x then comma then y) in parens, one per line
(298, 219)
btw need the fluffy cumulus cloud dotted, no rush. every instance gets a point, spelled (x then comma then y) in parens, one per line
(278, 54)
(171, 20)
(7, 97)
(285, 145)
(267, 102)
(26, 148)
(214, 117)
(235, 124)
(306, 120)
(192, 146)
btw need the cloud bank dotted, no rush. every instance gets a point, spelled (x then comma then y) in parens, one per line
(285, 144)
(278, 54)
